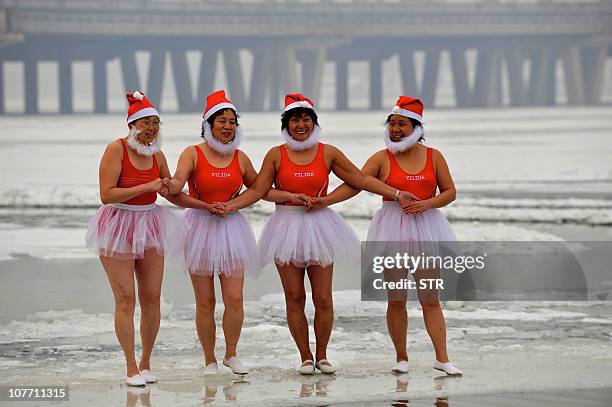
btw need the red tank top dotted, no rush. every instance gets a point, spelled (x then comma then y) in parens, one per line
(423, 184)
(212, 184)
(310, 179)
(131, 176)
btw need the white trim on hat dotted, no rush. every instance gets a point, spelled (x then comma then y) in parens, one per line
(147, 111)
(217, 107)
(408, 113)
(301, 103)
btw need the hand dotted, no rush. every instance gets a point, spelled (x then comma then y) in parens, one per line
(173, 185)
(216, 208)
(224, 208)
(301, 199)
(406, 198)
(417, 207)
(154, 186)
(317, 203)
(164, 191)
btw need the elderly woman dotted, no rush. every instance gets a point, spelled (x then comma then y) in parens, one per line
(301, 242)
(131, 234)
(409, 165)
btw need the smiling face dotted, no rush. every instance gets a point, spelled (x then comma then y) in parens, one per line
(300, 126)
(148, 128)
(224, 126)
(399, 127)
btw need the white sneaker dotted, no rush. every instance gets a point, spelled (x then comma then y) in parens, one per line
(212, 369)
(307, 367)
(447, 368)
(135, 380)
(148, 376)
(400, 367)
(325, 367)
(236, 365)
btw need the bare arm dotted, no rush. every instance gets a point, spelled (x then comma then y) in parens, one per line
(445, 184)
(273, 194)
(109, 172)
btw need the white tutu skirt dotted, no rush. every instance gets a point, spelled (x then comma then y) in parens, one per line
(215, 245)
(125, 231)
(293, 235)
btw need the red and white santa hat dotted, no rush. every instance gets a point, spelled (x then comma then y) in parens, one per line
(409, 107)
(295, 100)
(139, 107)
(217, 101)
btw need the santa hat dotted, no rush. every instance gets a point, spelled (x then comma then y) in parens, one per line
(139, 107)
(409, 107)
(295, 100)
(217, 101)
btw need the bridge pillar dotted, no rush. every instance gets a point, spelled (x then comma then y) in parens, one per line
(572, 71)
(157, 66)
(131, 81)
(487, 83)
(593, 70)
(235, 81)
(514, 63)
(2, 107)
(430, 78)
(182, 81)
(288, 78)
(31, 85)
(376, 83)
(408, 73)
(341, 84)
(100, 85)
(260, 78)
(313, 65)
(208, 71)
(65, 84)
(542, 81)
(460, 77)
(274, 86)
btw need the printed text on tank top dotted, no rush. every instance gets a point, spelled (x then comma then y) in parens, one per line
(209, 183)
(311, 179)
(131, 176)
(422, 184)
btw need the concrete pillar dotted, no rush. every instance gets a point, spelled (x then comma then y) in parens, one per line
(100, 85)
(275, 83)
(593, 70)
(430, 78)
(2, 106)
(233, 69)
(542, 79)
(341, 84)
(514, 64)
(572, 71)
(208, 71)
(408, 73)
(131, 80)
(182, 81)
(487, 85)
(31, 85)
(287, 63)
(65, 84)
(313, 66)
(260, 78)
(376, 84)
(157, 66)
(460, 77)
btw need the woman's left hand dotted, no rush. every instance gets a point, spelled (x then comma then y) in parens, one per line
(418, 207)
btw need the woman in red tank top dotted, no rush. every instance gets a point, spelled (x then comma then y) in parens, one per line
(300, 242)
(131, 234)
(409, 165)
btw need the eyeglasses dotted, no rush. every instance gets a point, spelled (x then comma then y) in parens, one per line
(156, 123)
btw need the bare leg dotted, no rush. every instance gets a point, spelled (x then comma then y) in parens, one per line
(204, 290)
(121, 278)
(233, 316)
(321, 283)
(149, 273)
(292, 278)
(432, 314)
(397, 324)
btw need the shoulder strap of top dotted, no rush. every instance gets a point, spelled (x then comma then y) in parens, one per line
(392, 162)
(126, 157)
(429, 162)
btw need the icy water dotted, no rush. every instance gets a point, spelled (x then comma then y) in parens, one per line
(521, 174)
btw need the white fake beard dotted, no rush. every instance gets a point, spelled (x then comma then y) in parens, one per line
(219, 147)
(296, 145)
(405, 143)
(141, 149)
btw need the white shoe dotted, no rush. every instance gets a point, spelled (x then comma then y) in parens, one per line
(307, 367)
(325, 367)
(135, 380)
(148, 376)
(236, 365)
(400, 367)
(211, 369)
(447, 368)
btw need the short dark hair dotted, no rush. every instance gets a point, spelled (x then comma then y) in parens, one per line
(298, 111)
(414, 122)
(213, 116)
